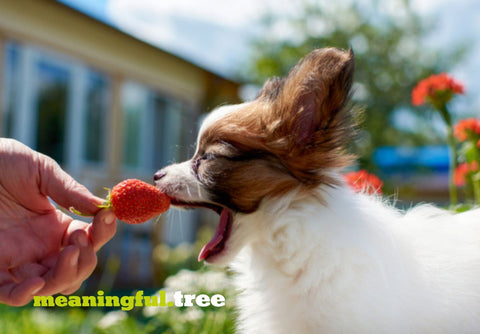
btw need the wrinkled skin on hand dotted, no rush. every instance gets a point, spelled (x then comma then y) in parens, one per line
(44, 251)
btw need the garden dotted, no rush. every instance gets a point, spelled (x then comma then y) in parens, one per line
(181, 272)
(386, 85)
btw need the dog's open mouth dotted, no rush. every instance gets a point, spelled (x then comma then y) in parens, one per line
(217, 243)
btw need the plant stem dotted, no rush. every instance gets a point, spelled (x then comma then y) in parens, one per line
(476, 192)
(476, 188)
(453, 154)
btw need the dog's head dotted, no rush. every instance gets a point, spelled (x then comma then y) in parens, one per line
(289, 138)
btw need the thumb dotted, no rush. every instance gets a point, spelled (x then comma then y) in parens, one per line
(63, 189)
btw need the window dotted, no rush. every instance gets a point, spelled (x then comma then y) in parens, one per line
(153, 129)
(10, 87)
(52, 101)
(97, 101)
(168, 121)
(55, 105)
(134, 114)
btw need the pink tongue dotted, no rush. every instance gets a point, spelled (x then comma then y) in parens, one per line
(217, 237)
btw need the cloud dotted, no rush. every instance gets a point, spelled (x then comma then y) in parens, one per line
(210, 33)
(225, 13)
(213, 34)
(216, 34)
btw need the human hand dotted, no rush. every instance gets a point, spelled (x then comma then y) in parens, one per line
(42, 250)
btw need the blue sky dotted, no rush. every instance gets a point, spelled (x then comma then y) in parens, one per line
(95, 8)
(215, 33)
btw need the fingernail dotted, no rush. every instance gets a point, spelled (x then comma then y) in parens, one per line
(108, 219)
(82, 240)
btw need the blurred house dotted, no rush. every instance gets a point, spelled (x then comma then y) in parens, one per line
(105, 105)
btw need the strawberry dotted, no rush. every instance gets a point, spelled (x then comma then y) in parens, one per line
(134, 201)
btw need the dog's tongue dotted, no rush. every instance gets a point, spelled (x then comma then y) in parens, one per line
(217, 238)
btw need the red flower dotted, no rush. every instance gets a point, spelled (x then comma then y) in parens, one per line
(474, 166)
(361, 181)
(434, 88)
(466, 126)
(462, 171)
(460, 174)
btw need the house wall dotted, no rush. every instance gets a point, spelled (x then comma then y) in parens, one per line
(171, 90)
(53, 25)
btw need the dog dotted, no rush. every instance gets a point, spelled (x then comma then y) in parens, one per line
(311, 255)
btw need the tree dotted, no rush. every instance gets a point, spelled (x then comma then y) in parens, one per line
(388, 40)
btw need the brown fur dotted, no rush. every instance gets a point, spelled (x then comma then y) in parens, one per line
(288, 137)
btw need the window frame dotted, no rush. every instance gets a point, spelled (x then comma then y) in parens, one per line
(146, 163)
(24, 125)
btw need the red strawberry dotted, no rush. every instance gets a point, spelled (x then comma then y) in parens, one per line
(134, 201)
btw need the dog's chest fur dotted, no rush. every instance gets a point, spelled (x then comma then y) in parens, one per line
(358, 266)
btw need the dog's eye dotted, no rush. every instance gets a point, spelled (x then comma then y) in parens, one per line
(203, 157)
(208, 156)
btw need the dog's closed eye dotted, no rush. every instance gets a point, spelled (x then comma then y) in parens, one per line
(209, 156)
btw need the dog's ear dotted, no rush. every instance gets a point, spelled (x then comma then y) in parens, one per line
(271, 89)
(313, 95)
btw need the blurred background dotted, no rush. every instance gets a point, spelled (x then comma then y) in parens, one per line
(115, 89)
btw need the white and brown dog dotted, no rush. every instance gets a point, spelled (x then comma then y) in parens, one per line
(311, 255)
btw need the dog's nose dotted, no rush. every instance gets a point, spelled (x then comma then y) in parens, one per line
(158, 175)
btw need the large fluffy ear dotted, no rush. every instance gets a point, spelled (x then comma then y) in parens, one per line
(301, 122)
(315, 93)
(271, 89)
(309, 121)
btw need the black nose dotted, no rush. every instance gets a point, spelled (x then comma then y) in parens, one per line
(158, 175)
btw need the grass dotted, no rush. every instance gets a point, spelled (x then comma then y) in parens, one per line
(42, 321)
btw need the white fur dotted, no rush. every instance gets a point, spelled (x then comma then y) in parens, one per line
(338, 262)
(347, 263)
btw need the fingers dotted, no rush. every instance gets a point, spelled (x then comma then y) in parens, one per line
(64, 272)
(57, 278)
(87, 259)
(26, 271)
(103, 228)
(68, 269)
(22, 293)
(86, 263)
(100, 231)
(63, 189)
(75, 263)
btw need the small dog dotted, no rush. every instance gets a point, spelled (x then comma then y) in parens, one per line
(311, 255)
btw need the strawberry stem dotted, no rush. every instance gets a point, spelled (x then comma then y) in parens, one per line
(108, 200)
(105, 205)
(78, 213)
